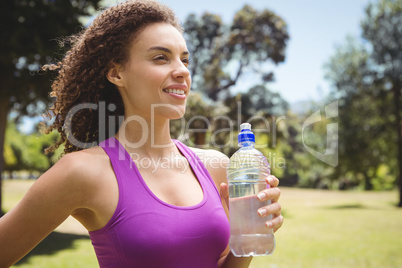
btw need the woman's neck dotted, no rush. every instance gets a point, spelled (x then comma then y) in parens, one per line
(146, 137)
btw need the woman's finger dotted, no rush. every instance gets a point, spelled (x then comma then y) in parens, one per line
(272, 209)
(275, 223)
(272, 194)
(272, 181)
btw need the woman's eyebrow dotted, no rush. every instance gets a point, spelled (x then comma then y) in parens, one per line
(165, 50)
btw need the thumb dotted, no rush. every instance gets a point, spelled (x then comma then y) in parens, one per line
(224, 191)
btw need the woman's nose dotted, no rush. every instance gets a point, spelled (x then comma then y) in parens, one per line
(180, 71)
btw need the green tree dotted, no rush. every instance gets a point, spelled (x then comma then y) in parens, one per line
(13, 148)
(26, 151)
(367, 78)
(382, 28)
(258, 104)
(33, 156)
(348, 69)
(263, 109)
(318, 136)
(28, 30)
(196, 123)
(221, 53)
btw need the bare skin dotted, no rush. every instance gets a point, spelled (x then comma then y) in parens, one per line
(83, 184)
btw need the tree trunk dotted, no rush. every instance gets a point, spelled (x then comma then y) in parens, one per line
(200, 129)
(4, 103)
(397, 97)
(199, 140)
(368, 186)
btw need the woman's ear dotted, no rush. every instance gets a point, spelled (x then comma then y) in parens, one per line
(113, 74)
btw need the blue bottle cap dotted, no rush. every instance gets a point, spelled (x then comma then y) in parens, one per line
(245, 133)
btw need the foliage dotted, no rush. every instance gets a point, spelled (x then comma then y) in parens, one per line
(28, 30)
(192, 128)
(382, 28)
(26, 152)
(367, 82)
(221, 53)
(13, 148)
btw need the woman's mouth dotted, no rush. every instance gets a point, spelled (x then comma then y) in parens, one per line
(174, 91)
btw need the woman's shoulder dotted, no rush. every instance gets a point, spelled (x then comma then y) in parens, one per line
(215, 161)
(87, 160)
(210, 155)
(85, 166)
(87, 172)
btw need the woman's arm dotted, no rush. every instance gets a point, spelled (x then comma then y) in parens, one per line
(49, 201)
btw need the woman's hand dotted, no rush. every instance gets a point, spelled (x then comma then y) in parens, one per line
(272, 193)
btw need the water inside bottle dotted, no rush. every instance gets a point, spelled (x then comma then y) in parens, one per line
(248, 234)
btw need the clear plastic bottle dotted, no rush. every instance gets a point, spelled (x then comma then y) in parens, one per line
(246, 174)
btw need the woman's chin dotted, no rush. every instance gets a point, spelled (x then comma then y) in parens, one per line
(170, 112)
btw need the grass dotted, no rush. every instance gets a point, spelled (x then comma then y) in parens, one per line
(337, 229)
(322, 229)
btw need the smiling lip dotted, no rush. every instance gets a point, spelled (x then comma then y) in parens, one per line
(174, 91)
(178, 90)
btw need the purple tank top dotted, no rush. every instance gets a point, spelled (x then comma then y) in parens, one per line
(145, 231)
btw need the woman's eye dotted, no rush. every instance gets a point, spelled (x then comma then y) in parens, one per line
(186, 61)
(161, 58)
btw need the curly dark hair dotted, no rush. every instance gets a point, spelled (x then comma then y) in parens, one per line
(81, 88)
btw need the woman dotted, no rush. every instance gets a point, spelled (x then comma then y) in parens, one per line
(146, 200)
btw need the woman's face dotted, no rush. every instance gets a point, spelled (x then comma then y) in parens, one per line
(155, 82)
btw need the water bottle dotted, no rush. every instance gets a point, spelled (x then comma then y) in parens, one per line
(246, 174)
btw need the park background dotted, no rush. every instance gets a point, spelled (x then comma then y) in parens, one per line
(319, 81)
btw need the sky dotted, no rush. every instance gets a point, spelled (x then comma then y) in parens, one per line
(315, 28)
